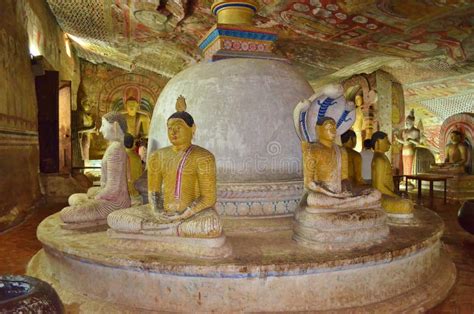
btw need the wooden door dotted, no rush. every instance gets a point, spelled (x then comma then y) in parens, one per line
(47, 86)
(65, 148)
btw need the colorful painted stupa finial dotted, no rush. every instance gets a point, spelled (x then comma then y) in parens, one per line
(234, 35)
(234, 11)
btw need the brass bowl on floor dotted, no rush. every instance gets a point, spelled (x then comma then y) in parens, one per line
(24, 294)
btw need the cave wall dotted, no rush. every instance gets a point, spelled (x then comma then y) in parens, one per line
(26, 27)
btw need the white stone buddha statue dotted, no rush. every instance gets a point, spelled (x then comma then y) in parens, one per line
(91, 209)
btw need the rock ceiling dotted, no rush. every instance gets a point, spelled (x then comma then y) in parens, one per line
(415, 40)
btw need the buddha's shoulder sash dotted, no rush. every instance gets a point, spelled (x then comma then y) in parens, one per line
(179, 172)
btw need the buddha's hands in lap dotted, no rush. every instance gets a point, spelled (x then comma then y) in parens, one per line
(360, 190)
(173, 217)
(355, 190)
(107, 195)
(320, 187)
(176, 217)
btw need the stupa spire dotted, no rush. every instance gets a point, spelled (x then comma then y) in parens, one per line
(234, 12)
(235, 36)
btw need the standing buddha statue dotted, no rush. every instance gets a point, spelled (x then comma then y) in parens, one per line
(138, 123)
(409, 138)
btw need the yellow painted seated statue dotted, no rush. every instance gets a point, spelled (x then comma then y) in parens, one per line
(334, 214)
(135, 168)
(349, 141)
(91, 209)
(456, 156)
(382, 179)
(326, 172)
(181, 188)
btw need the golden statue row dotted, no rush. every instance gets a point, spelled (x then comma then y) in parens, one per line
(182, 189)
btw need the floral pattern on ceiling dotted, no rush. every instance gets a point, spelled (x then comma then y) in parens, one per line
(388, 27)
(319, 36)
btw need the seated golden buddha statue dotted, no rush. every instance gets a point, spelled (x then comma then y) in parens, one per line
(91, 209)
(138, 123)
(135, 168)
(181, 190)
(349, 141)
(334, 214)
(382, 179)
(456, 156)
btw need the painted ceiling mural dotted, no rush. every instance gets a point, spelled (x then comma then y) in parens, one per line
(318, 36)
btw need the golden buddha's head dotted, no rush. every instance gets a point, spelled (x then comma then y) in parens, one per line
(179, 133)
(455, 137)
(349, 139)
(132, 106)
(181, 128)
(380, 142)
(326, 129)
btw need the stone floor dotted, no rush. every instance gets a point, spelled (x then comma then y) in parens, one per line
(19, 244)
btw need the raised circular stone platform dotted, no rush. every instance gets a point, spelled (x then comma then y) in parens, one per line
(267, 271)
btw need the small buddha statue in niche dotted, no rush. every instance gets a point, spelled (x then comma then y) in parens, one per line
(138, 123)
(91, 209)
(348, 140)
(181, 188)
(456, 153)
(382, 179)
(334, 214)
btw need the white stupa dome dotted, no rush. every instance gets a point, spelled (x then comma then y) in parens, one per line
(243, 111)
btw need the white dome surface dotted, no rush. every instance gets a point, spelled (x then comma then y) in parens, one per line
(243, 110)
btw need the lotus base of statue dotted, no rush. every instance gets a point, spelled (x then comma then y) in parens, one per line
(360, 224)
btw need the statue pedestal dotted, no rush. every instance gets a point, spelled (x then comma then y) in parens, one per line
(267, 271)
(196, 247)
(339, 230)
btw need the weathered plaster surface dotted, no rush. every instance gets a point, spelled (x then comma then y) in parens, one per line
(243, 111)
(267, 272)
(22, 24)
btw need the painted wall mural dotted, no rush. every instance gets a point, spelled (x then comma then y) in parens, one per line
(105, 88)
(459, 85)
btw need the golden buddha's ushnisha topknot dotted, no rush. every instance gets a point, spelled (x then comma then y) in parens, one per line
(181, 112)
(181, 104)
